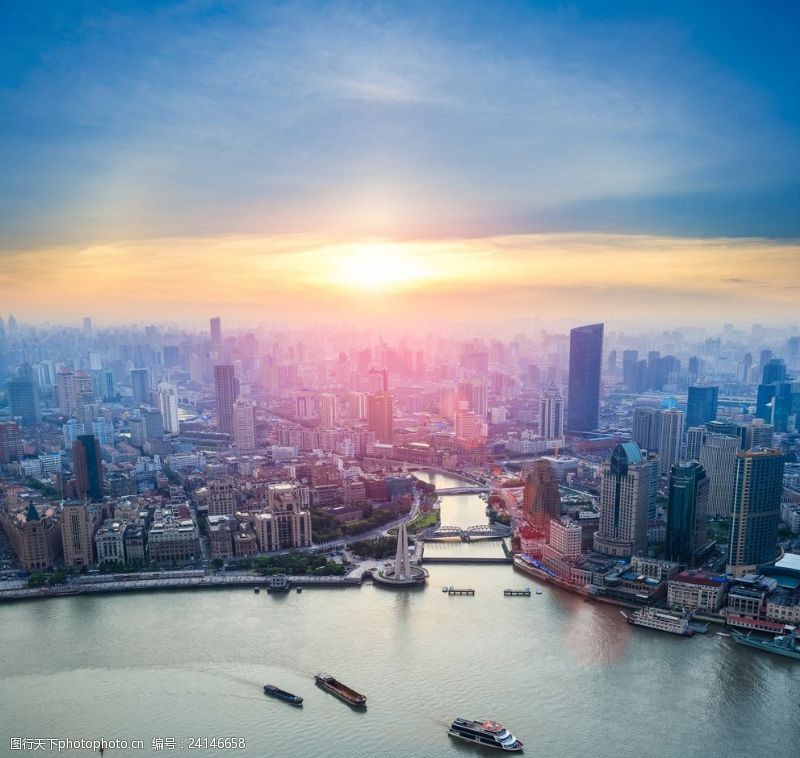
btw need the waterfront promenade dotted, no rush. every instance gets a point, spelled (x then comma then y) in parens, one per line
(212, 581)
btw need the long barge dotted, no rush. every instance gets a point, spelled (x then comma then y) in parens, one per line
(279, 694)
(341, 691)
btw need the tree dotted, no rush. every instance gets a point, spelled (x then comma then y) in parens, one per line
(217, 564)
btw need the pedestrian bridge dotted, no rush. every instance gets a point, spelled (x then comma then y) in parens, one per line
(485, 531)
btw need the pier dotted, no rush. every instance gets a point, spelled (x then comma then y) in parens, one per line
(453, 591)
(518, 593)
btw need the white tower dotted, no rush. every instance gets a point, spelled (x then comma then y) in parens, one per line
(402, 566)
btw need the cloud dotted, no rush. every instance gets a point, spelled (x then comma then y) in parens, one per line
(314, 276)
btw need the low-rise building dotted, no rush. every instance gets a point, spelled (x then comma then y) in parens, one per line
(697, 590)
(110, 542)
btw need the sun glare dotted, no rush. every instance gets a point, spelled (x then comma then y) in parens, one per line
(378, 268)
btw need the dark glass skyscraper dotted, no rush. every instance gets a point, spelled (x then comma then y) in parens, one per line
(585, 361)
(701, 405)
(23, 397)
(758, 486)
(227, 392)
(687, 513)
(87, 466)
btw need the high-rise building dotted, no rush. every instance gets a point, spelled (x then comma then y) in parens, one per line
(358, 405)
(468, 425)
(541, 499)
(380, 415)
(87, 467)
(328, 410)
(226, 391)
(758, 434)
(774, 371)
(701, 405)
(671, 439)
(168, 405)
(551, 413)
(244, 426)
(646, 430)
(216, 329)
(23, 398)
(585, 362)
(756, 510)
(140, 384)
(65, 389)
(76, 535)
(222, 497)
(718, 456)
(687, 513)
(624, 498)
(10, 442)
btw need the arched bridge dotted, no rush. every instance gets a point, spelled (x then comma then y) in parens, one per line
(487, 531)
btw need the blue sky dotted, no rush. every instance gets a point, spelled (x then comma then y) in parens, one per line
(139, 119)
(125, 123)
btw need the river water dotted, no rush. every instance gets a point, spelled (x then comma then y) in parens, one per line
(567, 676)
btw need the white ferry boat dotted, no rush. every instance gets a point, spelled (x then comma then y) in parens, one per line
(486, 733)
(664, 621)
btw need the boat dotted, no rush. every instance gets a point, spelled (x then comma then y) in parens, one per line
(723, 634)
(342, 691)
(538, 590)
(486, 733)
(279, 694)
(784, 644)
(664, 621)
(278, 583)
(445, 589)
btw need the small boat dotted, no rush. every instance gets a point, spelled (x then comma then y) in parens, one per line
(538, 590)
(486, 733)
(445, 589)
(279, 694)
(723, 634)
(342, 691)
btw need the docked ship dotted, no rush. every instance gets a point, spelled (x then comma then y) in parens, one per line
(664, 621)
(279, 694)
(342, 691)
(485, 733)
(784, 644)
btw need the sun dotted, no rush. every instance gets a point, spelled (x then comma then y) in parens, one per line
(378, 267)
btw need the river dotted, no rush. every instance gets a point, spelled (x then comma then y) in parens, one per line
(567, 676)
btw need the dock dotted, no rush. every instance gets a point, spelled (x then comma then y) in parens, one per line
(453, 591)
(518, 593)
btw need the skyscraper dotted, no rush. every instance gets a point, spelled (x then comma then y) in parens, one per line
(687, 514)
(10, 442)
(551, 413)
(585, 362)
(646, 430)
(541, 500)
(718, 456)
(168, 405)
(23, 397)
(226, 392)
(671, 439)
(774, 371)
(357, 402)
(328, 410)
(140, 383)
(244, 426)
(701, 405)
(380, 415)
(87, 467)
(216, 329)
(65, 389)
(758, 486)
(624, 498)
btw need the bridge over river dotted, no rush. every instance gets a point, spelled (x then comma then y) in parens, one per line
(466, 533)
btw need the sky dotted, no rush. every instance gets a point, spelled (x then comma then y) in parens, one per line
(440, 160)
